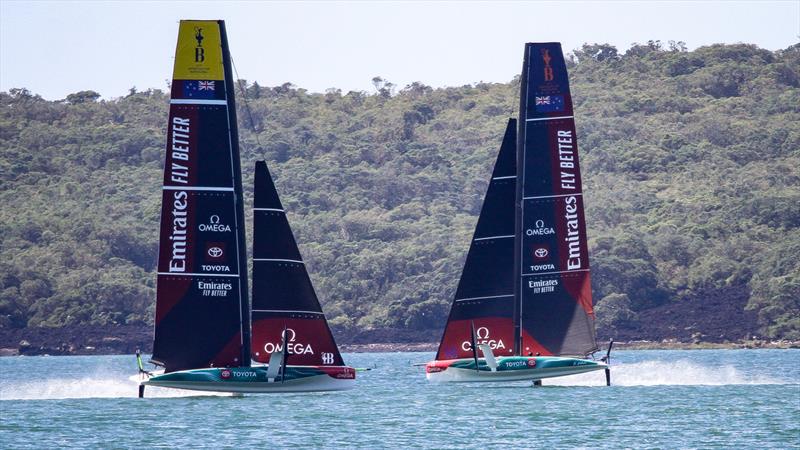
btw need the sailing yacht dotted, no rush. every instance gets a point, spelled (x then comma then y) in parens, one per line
(523, 306)
(206, 333)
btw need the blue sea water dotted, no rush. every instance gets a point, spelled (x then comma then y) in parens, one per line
(660, 399)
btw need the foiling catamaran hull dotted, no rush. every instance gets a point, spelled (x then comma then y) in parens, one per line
(513, 368)
(257, 380)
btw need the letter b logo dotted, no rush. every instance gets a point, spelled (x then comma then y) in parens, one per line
(199, 54)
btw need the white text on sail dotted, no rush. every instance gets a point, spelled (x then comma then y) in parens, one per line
(179, 174)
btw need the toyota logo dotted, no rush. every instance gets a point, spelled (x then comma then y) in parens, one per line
(541, 252)
(215, 252)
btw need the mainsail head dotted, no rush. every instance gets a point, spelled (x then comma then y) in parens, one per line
(283, 297)
(201, 301)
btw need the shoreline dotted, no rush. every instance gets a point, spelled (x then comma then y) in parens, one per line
(396, 347)
(126, 339)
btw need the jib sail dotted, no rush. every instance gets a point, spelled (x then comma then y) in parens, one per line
(485, 294)
(556, 316)
(201, 307)
(283, 297)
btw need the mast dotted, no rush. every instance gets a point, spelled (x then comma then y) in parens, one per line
(523, 97)
(201, 295)
(244, 306)
(553, 314)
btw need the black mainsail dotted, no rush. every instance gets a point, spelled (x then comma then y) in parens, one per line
(284, 300)
(485, 294)
(525, 284)
(202, 311)
(554, 289)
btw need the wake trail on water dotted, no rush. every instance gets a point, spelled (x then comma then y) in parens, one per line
(88, 387)
(681, 372)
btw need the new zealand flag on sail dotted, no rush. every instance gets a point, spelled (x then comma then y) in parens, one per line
(206, 90)
(549, 103)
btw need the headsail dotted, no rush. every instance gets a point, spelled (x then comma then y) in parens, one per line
(201, 307)
(485, 293)
(556, 316)
(283, 297)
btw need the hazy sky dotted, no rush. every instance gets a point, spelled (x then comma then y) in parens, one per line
(55, 48)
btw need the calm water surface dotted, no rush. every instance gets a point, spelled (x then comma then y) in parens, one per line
(660, 399)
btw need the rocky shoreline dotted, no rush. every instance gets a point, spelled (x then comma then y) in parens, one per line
(126, 339)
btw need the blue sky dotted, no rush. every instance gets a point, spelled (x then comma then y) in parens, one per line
(55, 48)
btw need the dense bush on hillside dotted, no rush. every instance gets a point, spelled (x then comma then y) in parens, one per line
(691, 175)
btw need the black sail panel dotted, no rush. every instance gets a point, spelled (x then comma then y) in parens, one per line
(202, 288)
(556, 313)
(283, 297)
(485, 293)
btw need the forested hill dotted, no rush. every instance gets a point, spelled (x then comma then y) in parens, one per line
(691, 175)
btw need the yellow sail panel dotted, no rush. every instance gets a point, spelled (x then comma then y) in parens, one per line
(199, 52)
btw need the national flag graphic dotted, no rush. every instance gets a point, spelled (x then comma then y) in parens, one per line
(199, 89)
(549, 103)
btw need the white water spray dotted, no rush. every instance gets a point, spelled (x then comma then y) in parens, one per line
(88, 387)
(681, 372)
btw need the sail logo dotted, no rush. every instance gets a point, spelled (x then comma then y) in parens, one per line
(179, 173)
(215, 251)
(327, 358)
(573, 238)
(566, 159)
(180, 204)
(482, 337)
(209, 289)
(215, 255)
(540, 229)
(541, 254)
(542, 286)
(199, 52)
(214, 225)
(292, 347)
(548, 70)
